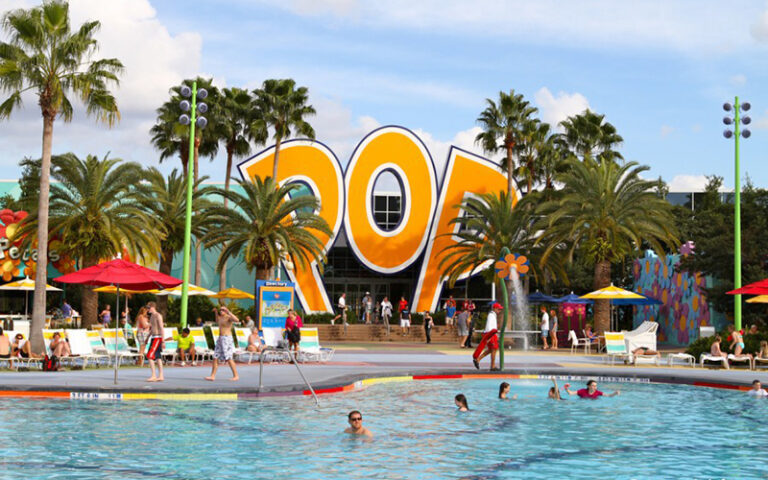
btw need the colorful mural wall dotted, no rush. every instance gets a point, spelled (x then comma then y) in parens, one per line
(684, 306)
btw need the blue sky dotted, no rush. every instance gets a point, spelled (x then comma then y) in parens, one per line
(658, 70)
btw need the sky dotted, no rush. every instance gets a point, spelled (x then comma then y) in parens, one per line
(659, 71)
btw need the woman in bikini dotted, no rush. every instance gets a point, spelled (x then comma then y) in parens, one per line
(737, 343)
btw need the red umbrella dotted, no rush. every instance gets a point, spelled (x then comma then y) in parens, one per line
(757, 288)
(122, 274)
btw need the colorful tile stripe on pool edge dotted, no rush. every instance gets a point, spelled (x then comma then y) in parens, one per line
(359, 385)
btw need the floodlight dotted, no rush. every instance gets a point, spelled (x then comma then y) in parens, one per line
(184, 119)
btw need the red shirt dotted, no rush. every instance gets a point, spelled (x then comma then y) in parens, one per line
(403, 305)
(291, 324)
(584, 393)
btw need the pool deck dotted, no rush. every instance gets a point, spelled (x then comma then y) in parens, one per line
(354, 363)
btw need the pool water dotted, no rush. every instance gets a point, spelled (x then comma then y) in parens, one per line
(649, 431)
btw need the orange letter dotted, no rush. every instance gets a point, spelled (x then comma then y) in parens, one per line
(316, 166)
(465, 173)
(401, 152)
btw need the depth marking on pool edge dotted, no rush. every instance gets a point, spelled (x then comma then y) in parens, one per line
(358, 385)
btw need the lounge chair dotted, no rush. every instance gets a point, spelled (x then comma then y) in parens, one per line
(171, 344)
(241, 345)
(758, 360)
(643, 336)
(310, 349)
(684, 357)
(579, 342)
(705, 357)
(740, 359)
(123, 350)
(70, 360)
(16, 362)
(615, 346)
(80, 344)
(201, 343)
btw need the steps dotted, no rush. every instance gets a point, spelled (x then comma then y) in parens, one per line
(378, 333)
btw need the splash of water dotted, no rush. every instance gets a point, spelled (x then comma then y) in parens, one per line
(522, 322)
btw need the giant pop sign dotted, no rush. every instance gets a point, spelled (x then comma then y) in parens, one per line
(346, 200)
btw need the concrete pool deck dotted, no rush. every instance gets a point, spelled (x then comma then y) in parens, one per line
(354, 363)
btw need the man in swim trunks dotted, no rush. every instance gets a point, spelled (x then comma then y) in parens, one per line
(155, 342)
(590, 392)
(356, 427)
(225, 346)
(490, 340)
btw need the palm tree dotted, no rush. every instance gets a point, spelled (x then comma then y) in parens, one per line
(502, 125)
(267, 225)
(534, 150)
(489, 223)
(282, 107)
(165, 200)
(608, 210)
(587, 135)
(235, 119)
(171, 138)
(95, 214)
(44, 55)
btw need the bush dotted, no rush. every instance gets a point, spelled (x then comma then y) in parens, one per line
(199, 306)
(751, 344)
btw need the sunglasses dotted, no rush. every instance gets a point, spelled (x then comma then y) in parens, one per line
(356, 419)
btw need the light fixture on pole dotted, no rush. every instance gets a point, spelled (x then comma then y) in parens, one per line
(192, 120)
(736, 121)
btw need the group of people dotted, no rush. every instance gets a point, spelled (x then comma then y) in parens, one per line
(371, 313)
(737, 346)
(463, 319)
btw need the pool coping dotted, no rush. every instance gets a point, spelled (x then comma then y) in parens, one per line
(355, 382)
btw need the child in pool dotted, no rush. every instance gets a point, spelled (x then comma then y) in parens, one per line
(461, 402)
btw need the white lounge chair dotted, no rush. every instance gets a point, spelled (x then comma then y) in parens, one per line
(685, 357)
(615, 346)
(241, 346)
(310, 349)
(759, 360)
(643, 336)
(740, 359)
(80, 344)
(123, 350)
(579, 342)
(201, 343)
(170, 344)
(705, 357)
(48, 336)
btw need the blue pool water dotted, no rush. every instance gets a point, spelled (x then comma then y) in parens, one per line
(649, 431)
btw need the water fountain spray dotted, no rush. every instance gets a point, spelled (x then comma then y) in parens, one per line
(511, 267)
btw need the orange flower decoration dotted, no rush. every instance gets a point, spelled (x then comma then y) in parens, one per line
(518, 262)
(10, 269)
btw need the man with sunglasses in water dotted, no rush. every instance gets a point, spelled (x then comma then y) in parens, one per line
(356, 427)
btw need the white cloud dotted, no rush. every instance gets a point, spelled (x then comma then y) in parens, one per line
(666, 131)
(761, 122)
(759, 29)
(738, 80)
(439, 148)
(688, 183)
(335, 127)
(555, 109)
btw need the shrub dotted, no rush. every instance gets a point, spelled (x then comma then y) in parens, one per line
(751, 344)
(199, 306)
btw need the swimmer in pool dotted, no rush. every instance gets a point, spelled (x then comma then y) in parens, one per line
(356, 427)
(504, 391)
(590, 392)
(554, 392)
(461, 402)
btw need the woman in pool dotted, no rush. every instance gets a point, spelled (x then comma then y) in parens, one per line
(504, 392)
(461, 402)
(737, 343)
(554, 392)
(590, 392)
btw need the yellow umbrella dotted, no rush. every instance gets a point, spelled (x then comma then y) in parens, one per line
(758, 299)
(233, 293)
(611, 293)
(193, 290)
(27, 285)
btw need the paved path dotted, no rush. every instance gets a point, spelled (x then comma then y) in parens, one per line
(356, 362)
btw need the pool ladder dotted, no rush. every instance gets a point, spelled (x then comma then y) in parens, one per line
(294, 360)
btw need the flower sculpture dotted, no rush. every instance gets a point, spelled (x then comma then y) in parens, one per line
(509, 262)
(10, 268)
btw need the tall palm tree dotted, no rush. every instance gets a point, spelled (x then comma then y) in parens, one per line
(608, 210)
(236, 116)
(95, 214)
(165, 200)
(171, 138)
(267, 225)
(503, 123)
(282, 107)
(588, 135)
(536, 144)
(44, 55)
(489, 223)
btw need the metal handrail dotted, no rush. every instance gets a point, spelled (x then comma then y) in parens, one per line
(295, 362)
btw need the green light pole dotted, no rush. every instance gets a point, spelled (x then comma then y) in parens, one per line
(736, 133)
(201, 122)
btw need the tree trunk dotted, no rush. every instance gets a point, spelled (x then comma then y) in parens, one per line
(510, 167)
(41, 273)
(602, 307)
(91, 300)
(166, 263)
(227, 179)
(198, 246)
(278, 141)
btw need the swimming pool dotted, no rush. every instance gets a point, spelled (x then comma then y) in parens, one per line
(649, 431)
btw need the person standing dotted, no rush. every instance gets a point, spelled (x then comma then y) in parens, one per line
(428, 324)
(106, 316)
(553, 328)
(293, 325)
(341, 310)
(225, 346)
(462, 324)
(156, 341)
(386, 311)
(450, 310)
(489, 344)
(470, 307)
(66, 310)
(368, 307)
(544, 327)
(405, 316)
(142, 333)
